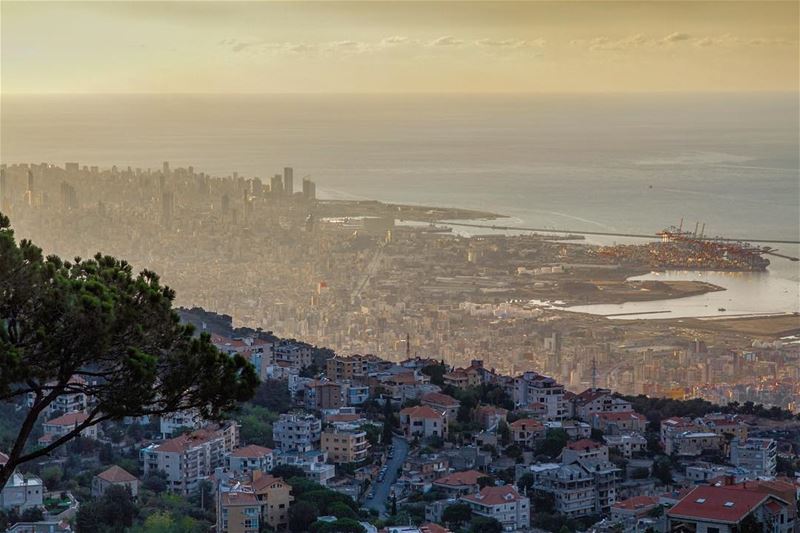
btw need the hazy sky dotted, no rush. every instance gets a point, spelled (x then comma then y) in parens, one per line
(225, 46)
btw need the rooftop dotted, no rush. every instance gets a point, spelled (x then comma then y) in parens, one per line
(115, 474)
(494, 495)
(718, 504)
(461, 479)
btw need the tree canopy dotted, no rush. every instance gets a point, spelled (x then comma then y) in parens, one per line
(93, 327)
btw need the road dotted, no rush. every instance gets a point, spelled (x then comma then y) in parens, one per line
(383, 488)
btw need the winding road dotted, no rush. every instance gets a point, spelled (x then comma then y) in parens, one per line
(383, 488)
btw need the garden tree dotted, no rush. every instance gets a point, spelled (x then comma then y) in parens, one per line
(393, 510)
(553, 443)
(94, 319)
(504, 432)
(485, 481)
(482, 524)
(343, 525)
(456, 514)
(436, 373)
(289, 471)
(155, 481)
(373, 433)
(341, 510)
(273, 394)
(114, 511)
(662, 469)
(525, 482)
(301, 515)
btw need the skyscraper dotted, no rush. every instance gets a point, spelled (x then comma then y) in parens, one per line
(167, 207)
(276, 185)
(288, 180)
(29, 194)
(3, 190)
(309, 189)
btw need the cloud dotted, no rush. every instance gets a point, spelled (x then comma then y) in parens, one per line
(676, 37)
(510, 43)
(394, 40)
(446, 41)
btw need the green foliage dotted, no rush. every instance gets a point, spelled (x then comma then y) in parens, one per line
(553, 443)
(373, 433)
(457, 514)
(155, 481)
(115, 511)
(256, 424)
(96, 319)
(662, 469)
(481, 524)
(504, 432)
(485, 481)
(525, 482)
(301, 515)
(343, 525)
(436, 373)
(273, 394)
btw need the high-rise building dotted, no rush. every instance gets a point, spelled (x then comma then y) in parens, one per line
(288, 180)
(30, 198)
(3, 190)
(69, 198)
(309, 189)
(167, 208)
(276, 185)
(165, 168)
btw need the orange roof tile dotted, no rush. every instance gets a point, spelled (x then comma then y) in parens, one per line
(495, 495)
(461, 479)
(251, 451)
(421, 411)
(115, 474)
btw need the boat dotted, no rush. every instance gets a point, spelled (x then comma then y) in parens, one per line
(721, 309)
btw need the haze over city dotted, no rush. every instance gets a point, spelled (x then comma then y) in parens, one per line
(399, 267)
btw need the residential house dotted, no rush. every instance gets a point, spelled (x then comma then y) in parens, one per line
(613, 423)
(65, 423)
(535, 388)
(459, 483)
(709, 509)
(526, 431)
(114, 476)
(594, 400)
(238, 512)
(442, 403)
(504, 504)
(423, 421)
(323, 395)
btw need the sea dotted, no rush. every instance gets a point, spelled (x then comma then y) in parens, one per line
(622, 163)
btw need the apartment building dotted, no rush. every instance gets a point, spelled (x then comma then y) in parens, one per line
(594, 400)
(345, 443)
(22, 492)
(321, 395)
(692, 443)
(758, 456)
(274, 496)
(535, 388)
(249, 459)
(504, 504)
(340, 368)
(313, 463)
(190, 458)
(238, 512)
(584, 449)
(613, 423)
(176, 422)
(295, 354)
(297, 432)
(571, 486)
(70, 401)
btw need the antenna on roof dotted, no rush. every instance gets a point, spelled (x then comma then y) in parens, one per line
(408, 346)
(594, 373)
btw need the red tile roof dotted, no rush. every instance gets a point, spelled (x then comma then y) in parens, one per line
(115, 474)
(251, 451)
(265, 481)
(636, 503)
(433, 528)
(526, 423)
(70, 419)
(421, 411)
(615, 417)
(494, 495)
(718, 504)
(440, 399)
(461, 479)
(184, 442)
(584, 445)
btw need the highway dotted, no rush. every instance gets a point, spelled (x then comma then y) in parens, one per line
(383, 488)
